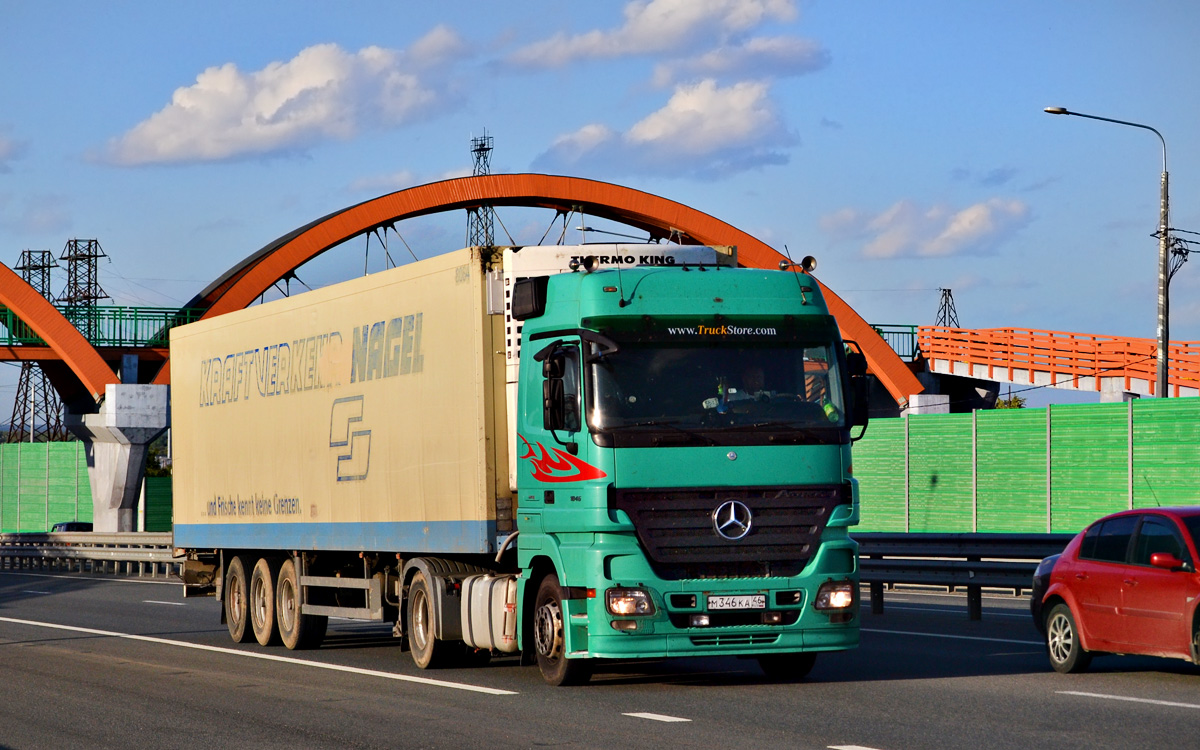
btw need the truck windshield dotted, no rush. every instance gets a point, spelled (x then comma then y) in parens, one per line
(780, 389)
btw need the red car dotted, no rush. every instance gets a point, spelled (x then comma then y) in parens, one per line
(1127, 584)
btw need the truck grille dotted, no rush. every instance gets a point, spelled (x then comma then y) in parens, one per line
(676, 528)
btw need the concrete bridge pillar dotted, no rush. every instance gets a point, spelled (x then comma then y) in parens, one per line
(927, 403)
(116, 440)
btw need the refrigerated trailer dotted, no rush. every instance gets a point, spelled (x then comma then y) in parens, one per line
(575, 453)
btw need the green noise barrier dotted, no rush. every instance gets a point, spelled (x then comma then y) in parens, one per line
(1053, 469)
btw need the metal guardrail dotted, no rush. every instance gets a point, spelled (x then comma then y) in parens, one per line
(972, 561)
(901, 337)
(105, 325)
(138, 553)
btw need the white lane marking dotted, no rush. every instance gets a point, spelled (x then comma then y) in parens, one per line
(656, 717)
(155, 601)
(92, 577)
(953, 637)
(30, 591)
(850, 747)
(1127, 698)
(265, 657)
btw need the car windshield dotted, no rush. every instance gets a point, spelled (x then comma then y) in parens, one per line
(730, 386)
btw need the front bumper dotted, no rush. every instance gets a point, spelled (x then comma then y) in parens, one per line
(667, 632)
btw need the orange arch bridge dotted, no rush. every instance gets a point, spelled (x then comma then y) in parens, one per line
(659, 217)
(85, 372)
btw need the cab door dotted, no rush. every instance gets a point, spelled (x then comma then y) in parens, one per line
(555, 466)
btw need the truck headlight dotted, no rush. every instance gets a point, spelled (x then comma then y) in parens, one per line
(834, 595)
(629, 602)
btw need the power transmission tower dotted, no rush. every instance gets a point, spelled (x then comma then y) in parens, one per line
(83, 285)
(947, 316)
(37, 413)
(479, 220)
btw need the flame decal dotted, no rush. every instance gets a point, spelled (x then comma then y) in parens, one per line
(547, 468)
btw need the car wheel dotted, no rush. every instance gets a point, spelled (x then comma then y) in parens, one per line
(1062, 642)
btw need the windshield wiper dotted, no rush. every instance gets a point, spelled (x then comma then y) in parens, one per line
(791, 425)
(674, 425)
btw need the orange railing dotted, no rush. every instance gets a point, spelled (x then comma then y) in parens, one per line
(1066, 357)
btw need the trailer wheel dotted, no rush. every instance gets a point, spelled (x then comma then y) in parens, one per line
(296, 630)
(262, 601)
(237, 606)
(427, 651)
(549, 638)
(786, 667)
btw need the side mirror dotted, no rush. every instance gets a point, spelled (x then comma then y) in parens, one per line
(553, 417)
(1167, 561)
(529, 297)
(560, 405)
(860, 385)
(856, 363)
(862, 401)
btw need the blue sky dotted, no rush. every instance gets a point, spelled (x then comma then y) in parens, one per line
(902, 144)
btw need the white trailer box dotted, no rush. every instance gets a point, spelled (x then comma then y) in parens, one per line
(367, 415)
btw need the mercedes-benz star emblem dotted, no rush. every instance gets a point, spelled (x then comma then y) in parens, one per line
(732, 520)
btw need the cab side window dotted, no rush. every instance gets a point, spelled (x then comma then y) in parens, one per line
(1111, 542)
(1157, 535)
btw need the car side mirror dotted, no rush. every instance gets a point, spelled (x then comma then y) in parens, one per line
(1167, 561)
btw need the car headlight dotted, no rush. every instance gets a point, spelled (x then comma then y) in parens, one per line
(834, 595)
(627, 602)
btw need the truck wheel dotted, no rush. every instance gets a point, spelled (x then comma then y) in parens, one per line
(1062, 642)
(786, 667)
(297, 631)
(262, 601)
(237, 607)
(427, 651)
(549, 638)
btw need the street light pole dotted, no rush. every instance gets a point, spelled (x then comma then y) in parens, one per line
(1164, 254)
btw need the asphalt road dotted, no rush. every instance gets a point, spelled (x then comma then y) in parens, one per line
(107, 663)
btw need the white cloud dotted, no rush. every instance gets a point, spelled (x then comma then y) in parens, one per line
(10, 151)
(755, 58)
(654, 27)
(389, 183)
(37, 215)
(442, 44)
(907, 230)
(705, 118)
(324, 92)
(703, 130)
(384, 183)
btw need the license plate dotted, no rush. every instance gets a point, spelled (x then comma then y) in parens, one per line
(750, 601)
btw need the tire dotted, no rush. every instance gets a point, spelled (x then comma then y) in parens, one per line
(786, 667)
(236, 590)
(297, 631)
(1062, 642)
(549, 638)
(262, 601)
(427, 651)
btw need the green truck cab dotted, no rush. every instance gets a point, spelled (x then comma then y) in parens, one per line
(684, 479)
